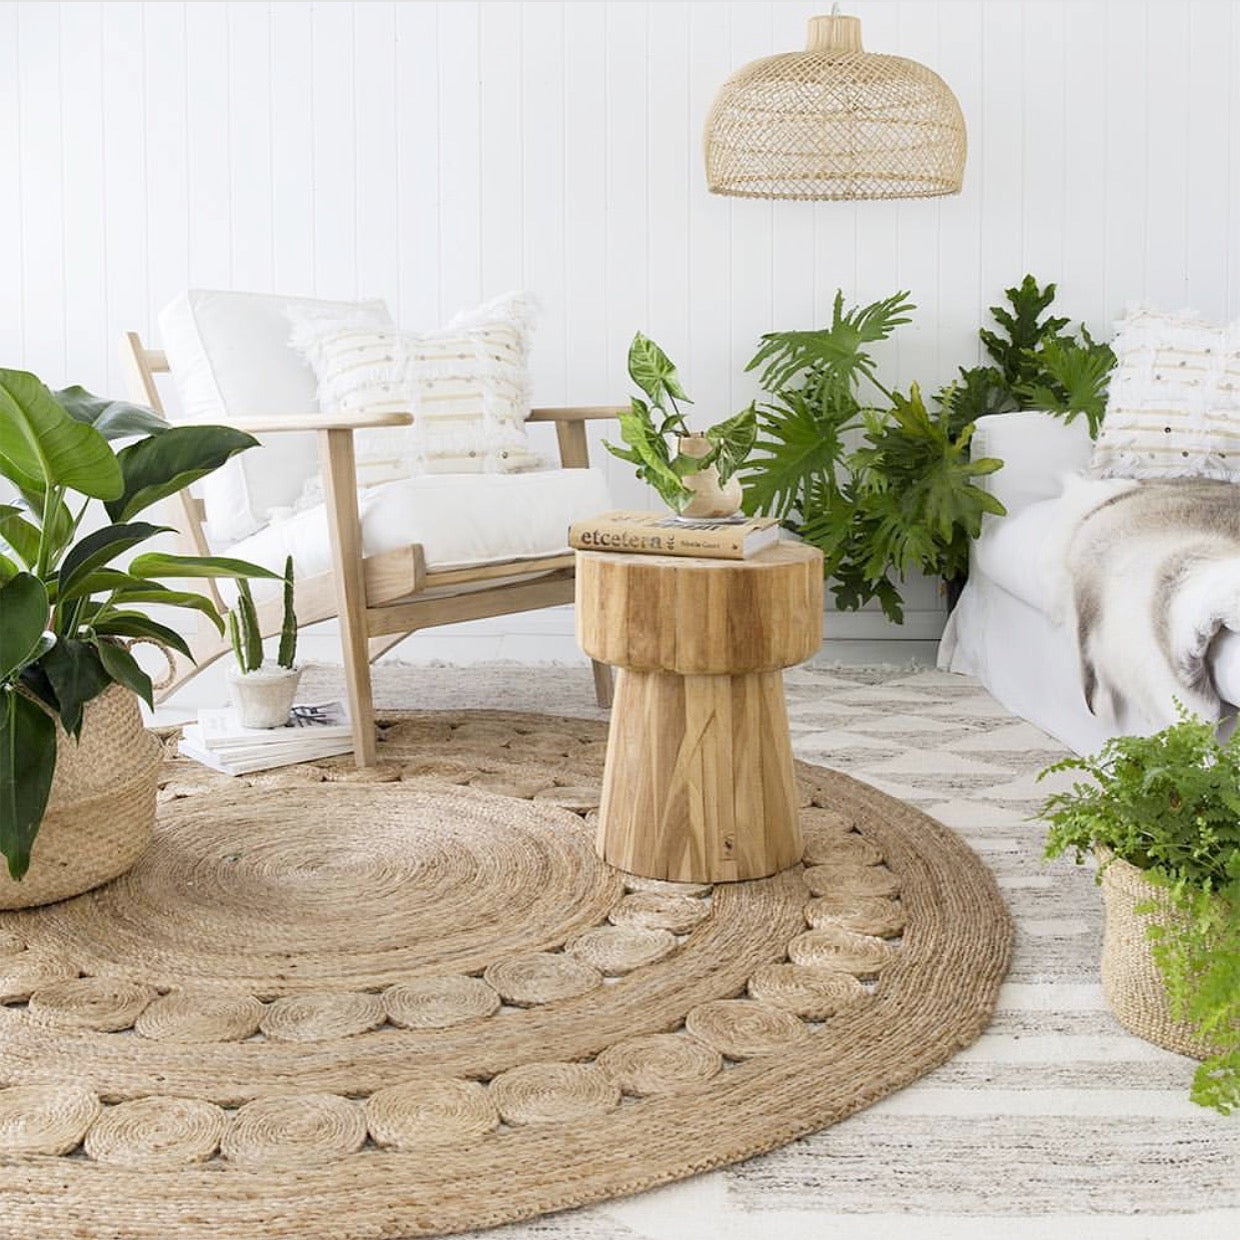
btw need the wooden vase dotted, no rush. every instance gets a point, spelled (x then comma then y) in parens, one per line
(710, 497)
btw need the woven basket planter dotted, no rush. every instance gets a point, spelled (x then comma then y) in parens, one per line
(1130, 979)
(101, 811)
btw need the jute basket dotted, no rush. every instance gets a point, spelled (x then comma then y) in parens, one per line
(1130, 979)
(101, 811)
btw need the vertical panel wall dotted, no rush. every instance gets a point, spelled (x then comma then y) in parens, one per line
(437, 153)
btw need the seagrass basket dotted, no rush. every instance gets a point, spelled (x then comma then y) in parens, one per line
(1130, 978)
(101, 811)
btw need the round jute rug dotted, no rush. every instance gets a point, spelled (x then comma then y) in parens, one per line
(411, 1001)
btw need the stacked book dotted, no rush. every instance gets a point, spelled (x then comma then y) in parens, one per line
(313, 731)
(664, 533)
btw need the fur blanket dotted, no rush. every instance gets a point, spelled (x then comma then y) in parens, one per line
(1153, 576)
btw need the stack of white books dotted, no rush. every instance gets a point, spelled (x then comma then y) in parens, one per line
(314, 730)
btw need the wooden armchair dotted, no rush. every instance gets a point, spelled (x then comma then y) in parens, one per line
(382, 598)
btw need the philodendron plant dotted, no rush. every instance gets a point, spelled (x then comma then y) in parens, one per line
(645, 428)
(67, 610)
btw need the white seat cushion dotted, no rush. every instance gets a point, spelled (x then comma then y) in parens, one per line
(230, 357)
(460, 520)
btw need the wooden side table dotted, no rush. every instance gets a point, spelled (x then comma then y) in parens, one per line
(698, 783)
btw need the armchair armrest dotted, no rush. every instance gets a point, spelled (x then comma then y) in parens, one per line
(570, 430)
(1036, 449)
(267, 425)
(585, 413)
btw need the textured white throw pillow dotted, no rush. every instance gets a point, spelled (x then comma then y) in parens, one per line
(466, 384)
(230, 358)
(1173, 407)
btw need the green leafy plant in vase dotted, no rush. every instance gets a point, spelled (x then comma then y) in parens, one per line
(697, 477)
(68, 609)
(1162, 813)
(262, 692)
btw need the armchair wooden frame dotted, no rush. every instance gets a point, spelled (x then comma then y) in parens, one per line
(381, 599)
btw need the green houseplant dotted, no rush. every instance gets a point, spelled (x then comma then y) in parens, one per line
(67, 610)
(1163, 814)
(263, 693)
(696, 478)
(876, 479)
(1034, 364)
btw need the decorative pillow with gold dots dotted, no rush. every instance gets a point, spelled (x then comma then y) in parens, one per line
(466, 384)
(1173, 410)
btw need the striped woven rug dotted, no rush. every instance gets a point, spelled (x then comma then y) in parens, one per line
(1056, 1123)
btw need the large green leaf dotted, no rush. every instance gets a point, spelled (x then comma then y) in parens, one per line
(650, 447)
(113, 419)
(734, 440)
(41, 446)
(165, 597)
(76, 674)
(52, 514)
(832, 355)
(100, 548)
(156, 564)
(124, 669)
(23, 620)
(21, 537)
(27, 763)
(98, 581)
(8, 570)
(138, 624)
(1074, 380)
(652, 370)
(164, 464)
(797, 447)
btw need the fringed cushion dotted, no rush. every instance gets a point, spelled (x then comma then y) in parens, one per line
(466, 384)
(1173, 409)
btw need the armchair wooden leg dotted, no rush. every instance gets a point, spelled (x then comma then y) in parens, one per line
(340, 486)
(603, 684)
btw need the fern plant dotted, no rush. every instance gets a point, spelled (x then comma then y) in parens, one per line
(1034, 364)
(247, 637)
(906, 498)
(1169, 804)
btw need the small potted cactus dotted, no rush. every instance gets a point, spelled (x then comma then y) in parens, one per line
(263, 694)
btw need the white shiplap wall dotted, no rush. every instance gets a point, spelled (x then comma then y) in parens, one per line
(433, 154)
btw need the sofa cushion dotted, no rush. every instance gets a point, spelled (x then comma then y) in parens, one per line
(466, 384)
(460, 520)
(1173, 406)
(230, 357)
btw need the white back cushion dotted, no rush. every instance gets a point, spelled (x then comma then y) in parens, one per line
(466, 384)
(230, 357)
(1173, 405)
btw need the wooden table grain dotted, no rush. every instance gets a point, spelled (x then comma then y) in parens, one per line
(698, 785)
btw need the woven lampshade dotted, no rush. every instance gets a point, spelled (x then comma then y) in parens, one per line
(835, 121)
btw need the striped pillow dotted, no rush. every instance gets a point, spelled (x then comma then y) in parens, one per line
(1173, 407)
(467, 386)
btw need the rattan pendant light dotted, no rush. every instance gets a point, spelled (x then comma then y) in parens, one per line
(835, 121)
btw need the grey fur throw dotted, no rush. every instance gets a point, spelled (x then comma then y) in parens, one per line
(1155, 576)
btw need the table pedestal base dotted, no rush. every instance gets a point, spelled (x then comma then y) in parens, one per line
(699, 784)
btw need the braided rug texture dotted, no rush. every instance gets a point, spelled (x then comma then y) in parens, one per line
(411, 1001)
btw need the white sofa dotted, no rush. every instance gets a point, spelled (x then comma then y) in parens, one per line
(1007, 629)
